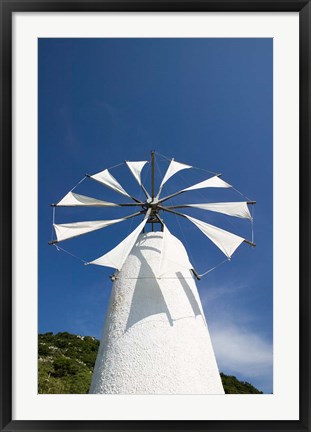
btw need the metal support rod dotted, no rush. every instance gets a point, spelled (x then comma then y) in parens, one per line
(184, 216)
(250, 243)
(171, 196)
(130, 204)
(133, 198)
(152, 174)
(116, 205)
(177, 206)
(136, 200)
(145, 191)
(178, 193)
(160, 220)
(126, 217)
(171, 211)
(195, 273)
(187, 205)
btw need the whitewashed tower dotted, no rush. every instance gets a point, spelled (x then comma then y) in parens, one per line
(155, 338)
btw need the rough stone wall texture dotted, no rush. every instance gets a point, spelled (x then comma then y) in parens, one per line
(155, 338)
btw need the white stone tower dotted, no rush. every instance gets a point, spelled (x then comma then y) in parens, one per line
(155, 338)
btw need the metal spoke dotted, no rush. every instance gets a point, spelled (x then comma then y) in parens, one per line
(125, 218)
(184, 216)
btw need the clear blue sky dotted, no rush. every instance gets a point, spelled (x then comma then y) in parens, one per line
(205, 102)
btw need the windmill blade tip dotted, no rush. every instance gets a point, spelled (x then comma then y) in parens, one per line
(196, 274)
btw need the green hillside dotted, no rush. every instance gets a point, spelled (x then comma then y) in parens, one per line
(66, 363)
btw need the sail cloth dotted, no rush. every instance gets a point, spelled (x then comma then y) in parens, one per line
(108, 180)
(169, 261)
(237, 209)
(136, 169)
(73, 199)
(116, 257)
(172, 169)
(224, 240)
(215, 182)
(74, 229)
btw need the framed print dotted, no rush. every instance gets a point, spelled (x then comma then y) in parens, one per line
(155, 215)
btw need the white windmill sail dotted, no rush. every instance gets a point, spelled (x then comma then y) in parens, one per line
(224, 240)
(237, 209)
(116, 257)
(173, 168)
(73, 199)
(136, 169)
(74, 229)
(169, 262)
(215, 182)
(108, 180)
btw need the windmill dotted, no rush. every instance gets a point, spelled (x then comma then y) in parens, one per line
(155, 338)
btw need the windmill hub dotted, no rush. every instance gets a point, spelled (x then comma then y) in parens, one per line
(152, 205)
(152, 202)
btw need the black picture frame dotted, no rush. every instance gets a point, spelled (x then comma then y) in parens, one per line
(7, 9)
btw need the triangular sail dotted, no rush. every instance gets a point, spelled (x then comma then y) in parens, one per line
(73, 199)
(173, 168)
(136, 169)
(74, 229)
(108, 180)
(169, 262)
(237, 209)
(224, 240)
(214, 182)
(116, 257)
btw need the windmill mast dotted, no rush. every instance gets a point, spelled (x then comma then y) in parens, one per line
(152, 180)
(152, 174)
(153, 201)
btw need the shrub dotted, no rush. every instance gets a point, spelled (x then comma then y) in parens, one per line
(64, 366)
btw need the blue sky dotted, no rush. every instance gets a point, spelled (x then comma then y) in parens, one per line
(205, 102)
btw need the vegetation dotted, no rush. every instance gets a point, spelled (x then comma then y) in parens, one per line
(66, 362)
(233, 386)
